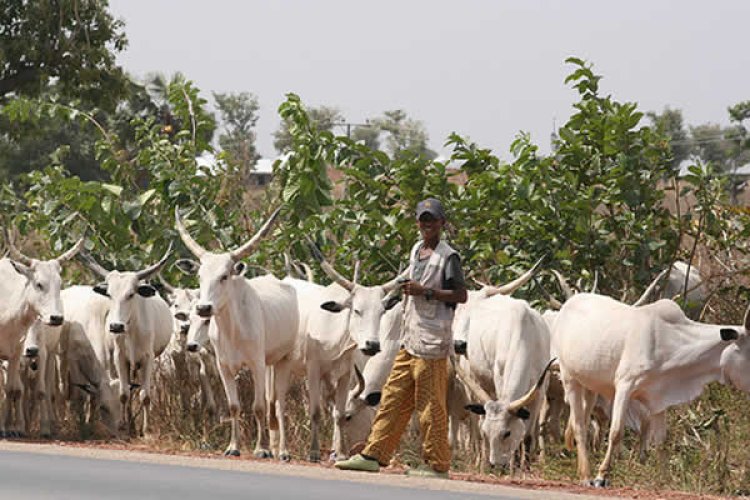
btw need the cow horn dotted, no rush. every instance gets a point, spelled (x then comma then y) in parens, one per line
(308, 272)
(471, 383)
(188, 240)
(328, 268)
(530, 396)
(360, 382)
(746, 321)
(287, 264)
(596, 282)
(644, 298)
(246, 249)
(567, 291)
(15, 254)
(552, 301)
(89, 261)
(395, 282)
(169, 288)
(481, 284)
(72, 252)
(357, 265)
(145, 273)
(517, 283)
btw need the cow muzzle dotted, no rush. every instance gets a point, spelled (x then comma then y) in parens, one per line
(204, 310)
(31, 352)
(371, 348)
(193, 347)
(117, 328)
(55, 320)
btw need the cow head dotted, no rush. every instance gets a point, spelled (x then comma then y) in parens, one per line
(43, 282)
(218, 272)
(198, 337)
(124, 290)
(181, 303)
(34, 339)
(503, 423)
(366, 305)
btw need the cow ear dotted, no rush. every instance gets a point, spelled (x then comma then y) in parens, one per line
(476, 408)
(728, 334)
(101, 289)
(239, 269)
(522, 413)
(146, 291)
(373, 399)
(21, 269)
(187, 266)
(332, 306)
(391, 302)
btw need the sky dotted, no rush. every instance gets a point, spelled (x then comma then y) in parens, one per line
(485, 69)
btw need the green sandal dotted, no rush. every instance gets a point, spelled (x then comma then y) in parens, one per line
(358, 462)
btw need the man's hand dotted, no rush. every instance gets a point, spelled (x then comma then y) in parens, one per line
(412, 288)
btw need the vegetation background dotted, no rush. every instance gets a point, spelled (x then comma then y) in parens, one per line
(87, 149)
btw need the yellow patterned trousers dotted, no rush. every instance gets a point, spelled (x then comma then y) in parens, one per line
(414, 383)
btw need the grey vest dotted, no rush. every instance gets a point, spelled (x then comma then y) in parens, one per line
(427, 323)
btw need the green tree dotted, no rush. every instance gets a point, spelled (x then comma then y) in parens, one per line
(403, 134)
(671, 123)
(72, 42)
(239, 115)
(324, 118)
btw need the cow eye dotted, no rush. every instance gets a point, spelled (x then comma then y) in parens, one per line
(506, 434)
(224, 278)
(130, 296)
(358, 312)
(39, 286)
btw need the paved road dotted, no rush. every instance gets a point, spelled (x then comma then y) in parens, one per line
(31, 471)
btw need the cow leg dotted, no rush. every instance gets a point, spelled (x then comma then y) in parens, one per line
(262, 443)
(233, 400)
(15, 421)
(282, 379)
(123, 374)
(148, 373)
(617, 425)
(341, 393)
(313, 389)
(207, 393)
(576, 400)
(43, 395)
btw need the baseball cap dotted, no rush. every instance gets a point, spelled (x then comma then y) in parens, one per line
(431, 206)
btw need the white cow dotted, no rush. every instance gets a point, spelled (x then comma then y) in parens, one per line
(30, 290)
(139, 325)
(682, 277)
(254, 324)
(650, 358)
(40, 350)
(331, 339)
(508, 348)
(190, 352)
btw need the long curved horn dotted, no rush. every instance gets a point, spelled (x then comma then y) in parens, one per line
(308, 272)
(596, 282)
(360, 382)
(471, 383)
(72, 252)
(246, 249)
(567, 291)
(89, 261)
(329, 270)
(188, 240)
(145, 273)
(169, 288)
(746, 321)
(516, 283)
(357, 265)
(16, 254)
(552, 301)
(395, 282)
(646, 295)
(529, 397)
(287, 264)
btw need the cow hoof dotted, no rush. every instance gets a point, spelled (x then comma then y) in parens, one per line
(601, 483)
(232, 453)
(262, 454)
(285, 457)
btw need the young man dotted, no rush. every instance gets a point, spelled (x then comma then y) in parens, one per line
(419, 377)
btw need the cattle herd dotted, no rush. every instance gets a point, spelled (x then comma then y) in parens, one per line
(99, 347)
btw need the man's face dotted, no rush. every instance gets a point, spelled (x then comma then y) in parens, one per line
(429, 226)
